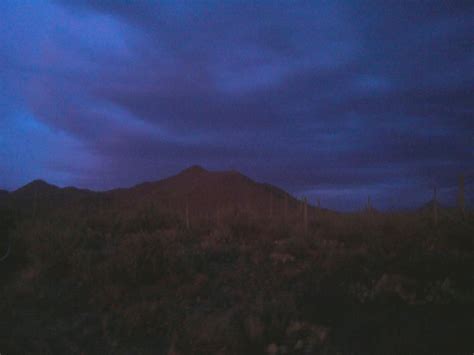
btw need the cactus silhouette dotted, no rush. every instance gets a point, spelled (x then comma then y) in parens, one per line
(461, 196)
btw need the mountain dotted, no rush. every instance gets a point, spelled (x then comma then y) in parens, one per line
(35, 189)
(207, 192)
(202, 192)
(40, 195)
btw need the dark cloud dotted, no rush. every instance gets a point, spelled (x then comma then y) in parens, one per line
(336, 99)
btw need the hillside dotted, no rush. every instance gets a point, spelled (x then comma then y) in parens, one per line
(35, 189)
(210, 192)
(39, 195)
(206, 195)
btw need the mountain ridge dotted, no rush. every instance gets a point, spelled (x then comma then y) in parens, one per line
(205, 192)
(195, 186)
(37, 186)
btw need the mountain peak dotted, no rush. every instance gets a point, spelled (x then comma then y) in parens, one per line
(39, 182)
(195, 169)
(38, 185)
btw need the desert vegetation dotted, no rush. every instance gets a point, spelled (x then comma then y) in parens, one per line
(95, 277)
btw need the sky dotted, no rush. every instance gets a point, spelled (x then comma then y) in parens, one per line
(331, 99)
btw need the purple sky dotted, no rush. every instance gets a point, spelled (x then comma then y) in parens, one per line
(336, 99)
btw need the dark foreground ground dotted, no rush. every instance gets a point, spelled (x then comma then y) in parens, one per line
(85, 282)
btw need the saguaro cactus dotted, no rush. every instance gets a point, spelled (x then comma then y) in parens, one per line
(435, 206)
(461, 195)
(305, 213)
(271, 205)
(35, 202)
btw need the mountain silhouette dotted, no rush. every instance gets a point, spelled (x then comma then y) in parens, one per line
(36, 188)
(204, 192)
(41, 195)
(201, 191)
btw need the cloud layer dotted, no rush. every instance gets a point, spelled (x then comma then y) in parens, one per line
(333, 99)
